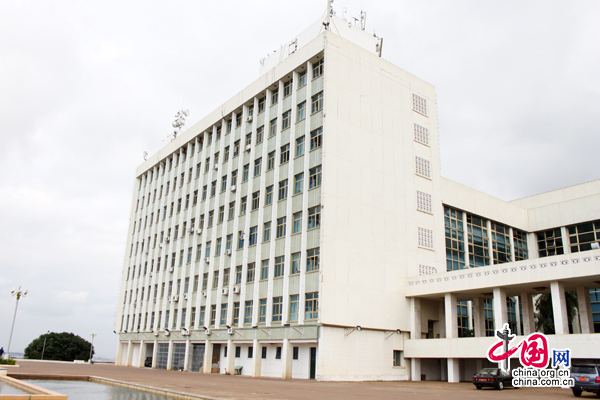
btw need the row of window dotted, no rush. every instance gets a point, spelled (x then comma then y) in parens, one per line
(310, 309)
(581, 237)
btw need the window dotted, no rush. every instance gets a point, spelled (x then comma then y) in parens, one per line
(204, 192)
(264, 353)
(295, 264)
(196, 281)
(301, 111)
(231, 210)
(248, 312)
(246, 173)
(280, 227)
(318, 68)
(279, 266)
(215, 280)
(454, 232)
(316, 138)
(251, 110)
(317, 102)
(267, 232)
(179, 205)
(520, 243)
(253, 235)
(297, 225)
(312, 259)
(300, 146)
(238, 275)
(226, 272)
(271, 161)
(501, 243)
(314, 217)
(223, 183)
(549, 242)
(277, 309)
(233, 177)
(259, 134)
(205, 281)
(312, 306)
(261, 105)
(583, 235)
(397, 358)
(238, 119)
(287, 88)
(223, 319)
(207, 165)
(243, 205)
(294, 307)
(257, 166)
(269, 196)
(248, 140)
(302, 79)
(255, 200)
(273, 127)
(425, 238)
(195, 200)
(264, 270)
(240, 239)
(478, 241)
(298, 183)
(262, 317)
(228, 242)
(229, 126)
(213, 315)
(250, 273)
(218, 247)
(274, 96)
(189, 255)
(421, 135)
(198, 252)
(314, 180)
(285, 154)
(285, 120)
(236, 148)
(488, 309)
(419, 104)
(226, 154)
(211, 215)
(238, 349)
(213, 188)
(422, 167)
(424, 202)
(283, 186)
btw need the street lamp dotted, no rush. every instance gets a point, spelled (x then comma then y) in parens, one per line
(18, 293)
(44, 347)
(93, 334)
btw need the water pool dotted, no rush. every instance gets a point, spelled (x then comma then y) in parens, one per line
(5, 388)
(84, 390)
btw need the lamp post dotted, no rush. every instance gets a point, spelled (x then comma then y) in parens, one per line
(44, 347)
(18, 293)
(93, 334)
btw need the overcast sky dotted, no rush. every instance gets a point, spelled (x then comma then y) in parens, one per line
(87, 87)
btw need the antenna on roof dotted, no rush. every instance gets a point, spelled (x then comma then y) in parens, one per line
(328, 14)
(363, 20)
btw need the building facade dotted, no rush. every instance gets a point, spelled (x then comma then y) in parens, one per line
(303, 230)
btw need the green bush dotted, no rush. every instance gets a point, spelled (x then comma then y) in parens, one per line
(10, 361)
(59, 346)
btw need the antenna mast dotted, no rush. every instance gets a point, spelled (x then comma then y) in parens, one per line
(329, 13)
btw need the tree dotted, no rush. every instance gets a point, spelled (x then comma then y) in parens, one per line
(60, 347)
(544, 317)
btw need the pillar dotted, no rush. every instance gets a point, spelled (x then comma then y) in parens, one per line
(518, 313)
(142, 357)
(415, 369)
(208, 351)
(466, 240)
(415, 318)
(154, 354)
(287, 358)
(499, 305)
(512, 246)
(257, 358)
(526, 301)
(230, 357)
(170, 356)
(565, 240)
(129, 353)
(186, 359)
(585, 310)
(470, 314)
(451, 317)
(453, 371)
(559, 308)
(119, 354)
(490, 244)
(478, 317)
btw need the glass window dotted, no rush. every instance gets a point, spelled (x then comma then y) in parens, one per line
(273, 127)
(269, 196)
(295, 263)
(286, 119)
(312, 306)
(317, 102)
(267, 232)
(279, 266)
(301, 79)
(250, 273)
(315, 177)
(294, 307)
(257, 166)
(255, 200)
(285, 154)
(297, 225)
(259, 134)
(312, 259)
(300, 146)
(281, 227)
(316, 138)
(271, 161)
(301, 111)
(277, 308)
(283, 186)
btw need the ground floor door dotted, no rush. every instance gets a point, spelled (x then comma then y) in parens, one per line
(162, 355)
(216, 359)
(313, 362)
(197, 358)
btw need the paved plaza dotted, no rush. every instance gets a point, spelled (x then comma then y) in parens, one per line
(243, 387)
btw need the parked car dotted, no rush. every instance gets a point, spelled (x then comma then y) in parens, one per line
(587, 378)
(492, 377)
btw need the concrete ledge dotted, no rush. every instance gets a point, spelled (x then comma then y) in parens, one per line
(35, 392)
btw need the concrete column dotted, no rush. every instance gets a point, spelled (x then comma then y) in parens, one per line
(129, 353)
(287, 358)
(257, 357)
(230, 357)
(559, 308)
(517, 313)
(154, 354)
(142, 356)
(170, 356)
(119, 354)
(585, 310)
(470, 314)
(512, 245)
(208, 350)
(479, 317)
(466, 240)
(527, 310)
(415, 318)
(565, 240)
(490, 244)
(415, 369)
(532, 247)
(186, 359)
(451, 317)
(453, 371)
(440, 332)
(500, 315)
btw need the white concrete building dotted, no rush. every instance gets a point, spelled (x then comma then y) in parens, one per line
(303, 230)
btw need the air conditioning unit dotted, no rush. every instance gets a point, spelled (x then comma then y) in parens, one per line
(171, 269)
(228, 252)
(186, 332)
(230, 331)
(191, 230)
(248, 147)
(167, 239)
(155, 333)
(207, 260)
(175, 298)
(236, 290)
(160, 245)
(199, 231)
(185, 296)
(216, 167)
(225, 291)
(167, 332)
(207, 332)
(232, 188)
(204, 293)
(169, 299)
(249, 119)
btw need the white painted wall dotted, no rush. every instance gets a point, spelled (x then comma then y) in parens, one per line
(135, 362)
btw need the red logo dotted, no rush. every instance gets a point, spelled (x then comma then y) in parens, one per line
(534, 351)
